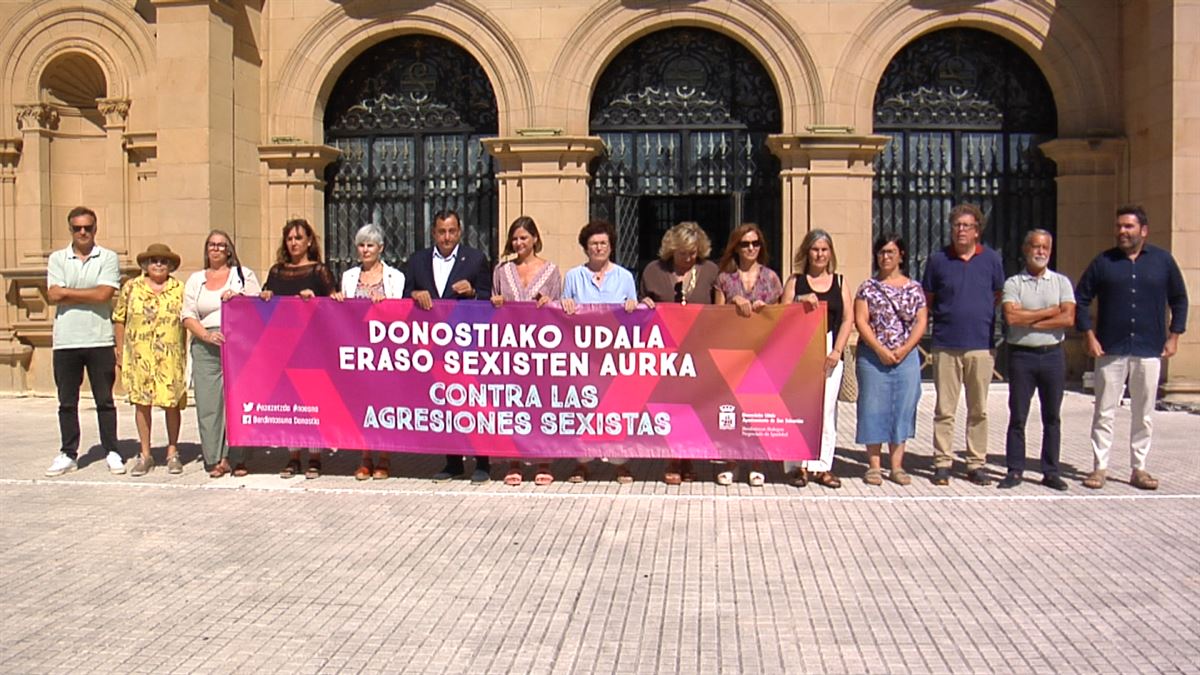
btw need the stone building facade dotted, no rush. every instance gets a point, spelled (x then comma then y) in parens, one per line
(172, 117)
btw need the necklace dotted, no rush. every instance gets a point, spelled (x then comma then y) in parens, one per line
(686, 287)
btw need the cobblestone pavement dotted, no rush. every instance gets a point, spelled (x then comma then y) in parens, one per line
(102, 573)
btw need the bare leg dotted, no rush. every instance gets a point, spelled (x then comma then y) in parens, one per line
(174, 417)
(142, 417)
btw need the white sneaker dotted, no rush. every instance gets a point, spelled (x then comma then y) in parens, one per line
(116, 465)
(61, 464)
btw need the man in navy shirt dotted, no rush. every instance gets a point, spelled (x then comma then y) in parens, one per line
(1136, 284)
(962, 283)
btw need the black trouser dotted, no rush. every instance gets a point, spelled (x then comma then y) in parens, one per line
(1043, 369)
(101, 366)
(454, 464)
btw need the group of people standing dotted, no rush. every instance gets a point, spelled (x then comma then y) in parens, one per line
(144, 335)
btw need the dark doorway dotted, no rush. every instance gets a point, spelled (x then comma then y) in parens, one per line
(408, 115)
(656, 215)
(684, 114)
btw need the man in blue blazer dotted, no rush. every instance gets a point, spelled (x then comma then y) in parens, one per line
(450, 270)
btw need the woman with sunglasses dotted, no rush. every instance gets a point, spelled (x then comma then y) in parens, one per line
(749, 285)
(817, 282)
(891, 315)
(682, 274)
(150, 350)
(298, 271)
(222, 278)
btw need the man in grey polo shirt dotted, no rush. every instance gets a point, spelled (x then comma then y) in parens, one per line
(1039, 305)
(81, 280)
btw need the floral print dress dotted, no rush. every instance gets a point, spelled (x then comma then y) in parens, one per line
(153, 358)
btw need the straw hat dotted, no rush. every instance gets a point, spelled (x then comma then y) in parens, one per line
(159, 251)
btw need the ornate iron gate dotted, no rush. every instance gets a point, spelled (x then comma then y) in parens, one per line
(408, 116)
(966, 110)
(684, 114)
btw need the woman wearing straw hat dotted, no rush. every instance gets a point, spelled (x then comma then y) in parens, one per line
(150, 350)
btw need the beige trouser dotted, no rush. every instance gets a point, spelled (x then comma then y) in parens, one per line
(952, 368)
(1111, 373)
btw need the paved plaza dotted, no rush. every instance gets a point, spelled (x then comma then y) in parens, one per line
(102, 573)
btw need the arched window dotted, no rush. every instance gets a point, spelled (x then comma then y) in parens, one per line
(684, 114)
(966, 110)
(408, 115)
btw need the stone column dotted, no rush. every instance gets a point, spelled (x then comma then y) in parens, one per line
(544, 175)
(117, 234)
(33, 213)
(827, 180)
(1089, 191)
(14, 354)
(195, 136)
(295, 189)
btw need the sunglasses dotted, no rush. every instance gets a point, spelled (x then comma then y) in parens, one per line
(749, 244)
(83, 228)
(158, 261)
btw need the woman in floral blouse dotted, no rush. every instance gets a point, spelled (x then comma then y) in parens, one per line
(150, 350)
(890, 314)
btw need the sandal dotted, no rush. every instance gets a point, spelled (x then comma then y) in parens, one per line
(219, 469)
(314, 469)
(899, 477)
(725, 475)
(873, 477)
(289, 471)
(673, 476)
(798, 477)
(756, 479)
(624, 475)
(513, 477)
(240, 471)
(827, 479)
(363, 472)
(579, 475)
(382, 471)
(543, 477)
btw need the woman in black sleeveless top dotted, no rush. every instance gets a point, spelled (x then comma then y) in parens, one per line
(298, 271)
(818, 283)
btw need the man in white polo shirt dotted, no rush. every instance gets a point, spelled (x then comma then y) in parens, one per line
(81, 280)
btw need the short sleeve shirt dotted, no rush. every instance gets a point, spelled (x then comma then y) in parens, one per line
(1048, 289)
(81, 326)
(964, 297)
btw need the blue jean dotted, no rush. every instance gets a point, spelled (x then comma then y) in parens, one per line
(887, 398)
(1043, 371)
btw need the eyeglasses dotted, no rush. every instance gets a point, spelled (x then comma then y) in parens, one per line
(598, 244)
(749, 244)
(218, 245)
(158, 261)
(83, 228)
(964, 226)
(678, 291)
(887, 253)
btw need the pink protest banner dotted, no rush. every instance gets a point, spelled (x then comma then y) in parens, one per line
(688, 381)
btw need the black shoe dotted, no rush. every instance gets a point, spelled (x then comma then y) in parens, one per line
(480, 476)
(1053, 482)
(447, 474)
(1010, 480)
(941, 476)
(979, 477)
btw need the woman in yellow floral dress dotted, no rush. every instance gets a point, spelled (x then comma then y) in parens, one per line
(150, 350)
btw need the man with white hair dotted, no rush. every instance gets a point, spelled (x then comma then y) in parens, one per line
(1038, 305)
